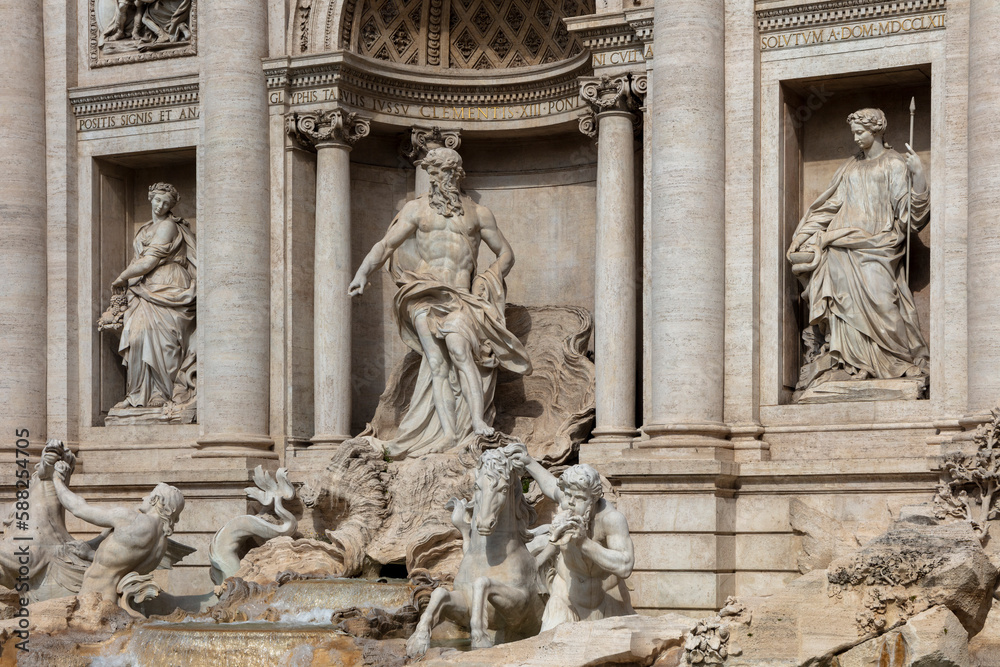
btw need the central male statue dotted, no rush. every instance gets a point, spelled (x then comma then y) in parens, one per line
(447, 312)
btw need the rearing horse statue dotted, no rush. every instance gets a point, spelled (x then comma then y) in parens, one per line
(497, 585)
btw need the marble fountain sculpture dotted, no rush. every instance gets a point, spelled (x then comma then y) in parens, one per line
(152, 314)
(489, 396)
(850, 250)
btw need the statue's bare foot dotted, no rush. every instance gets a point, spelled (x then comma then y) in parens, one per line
(417, 644)
(156, 402)
(483, 429)
(121, 405)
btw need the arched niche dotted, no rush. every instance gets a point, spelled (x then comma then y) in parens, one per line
(448, 34)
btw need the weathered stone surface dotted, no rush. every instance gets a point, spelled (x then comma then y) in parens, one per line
(933, 638)
(984, 648)
(283, 554)
(892, 579)
(630, 640)
(936, 638)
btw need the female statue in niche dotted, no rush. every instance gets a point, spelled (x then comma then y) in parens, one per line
(158, 323)
(848, 251)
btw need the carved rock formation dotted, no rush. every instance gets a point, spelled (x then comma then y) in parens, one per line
(879, 590)
(625, 640)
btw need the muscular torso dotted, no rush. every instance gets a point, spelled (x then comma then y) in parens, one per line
(448, 246)
(586, 582)
(137, 548)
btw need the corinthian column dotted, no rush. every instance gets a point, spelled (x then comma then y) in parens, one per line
(22, 226)
(421, 140)
(615, 280)
(984, 203)
(234, 323)
(688, 261)
(331, 134)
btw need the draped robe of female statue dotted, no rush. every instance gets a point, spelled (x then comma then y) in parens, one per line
(157, 339)
(859, 304)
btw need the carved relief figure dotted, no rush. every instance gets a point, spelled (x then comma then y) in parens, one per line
(158, 324)
(446, 310)
(151, 23)
(138, 541)
(847, 250)
(590, 542)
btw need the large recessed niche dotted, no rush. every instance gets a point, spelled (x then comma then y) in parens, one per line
(120, 206)
(816, 140)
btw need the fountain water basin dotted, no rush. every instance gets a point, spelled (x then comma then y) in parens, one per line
(302, 622)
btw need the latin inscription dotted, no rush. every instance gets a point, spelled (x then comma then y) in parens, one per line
(846, 32)
(115, 120)
(624, 57)
(430, 111)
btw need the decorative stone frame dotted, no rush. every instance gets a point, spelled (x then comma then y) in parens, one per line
(947, 313)
(98, 59)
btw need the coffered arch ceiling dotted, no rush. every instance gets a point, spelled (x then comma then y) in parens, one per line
(459, 34)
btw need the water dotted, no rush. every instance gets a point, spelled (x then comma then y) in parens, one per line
(304, 636)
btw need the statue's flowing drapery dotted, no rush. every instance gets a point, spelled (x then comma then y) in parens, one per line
(476, 315)
(157, 339)
(857, 294)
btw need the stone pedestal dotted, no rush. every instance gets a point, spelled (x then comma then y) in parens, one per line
(984, 202)
(23, 227)
(616, 281)
(688, 262)
(331, 134)
(234, 314)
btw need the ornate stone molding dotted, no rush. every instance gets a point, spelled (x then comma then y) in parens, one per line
(841, 11)
(622, 93)
(403, 97)
(103, 53)
(116, 106)
(619, 41)
(588, 124)
(336, 126)
(423, 139)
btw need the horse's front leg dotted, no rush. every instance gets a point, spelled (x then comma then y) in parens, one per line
(443, 601)
(479, 613)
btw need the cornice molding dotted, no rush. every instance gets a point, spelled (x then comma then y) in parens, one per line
(835, 12)
(181, 91)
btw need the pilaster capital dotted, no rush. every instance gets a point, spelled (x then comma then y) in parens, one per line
(623, 93)
(423, 139)
(335, 126)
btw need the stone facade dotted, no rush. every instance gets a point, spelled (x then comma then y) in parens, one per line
(659, 194)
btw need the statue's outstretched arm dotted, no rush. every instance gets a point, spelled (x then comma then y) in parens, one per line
(80, 508)
(401, 228)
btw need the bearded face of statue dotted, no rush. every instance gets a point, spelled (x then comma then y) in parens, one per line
(444, 193)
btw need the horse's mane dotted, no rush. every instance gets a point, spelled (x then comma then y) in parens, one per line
(496, 464)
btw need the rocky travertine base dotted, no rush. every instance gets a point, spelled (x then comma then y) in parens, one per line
(621, 640)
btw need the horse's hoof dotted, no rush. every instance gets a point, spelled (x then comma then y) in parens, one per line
(417, 646)
(482, 642)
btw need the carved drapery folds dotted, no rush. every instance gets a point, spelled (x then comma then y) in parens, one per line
(334, 126)
(621, 93)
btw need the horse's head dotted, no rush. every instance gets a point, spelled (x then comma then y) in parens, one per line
(493, 482)
(498, 486)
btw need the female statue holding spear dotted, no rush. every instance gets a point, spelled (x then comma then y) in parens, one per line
(847, 249)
